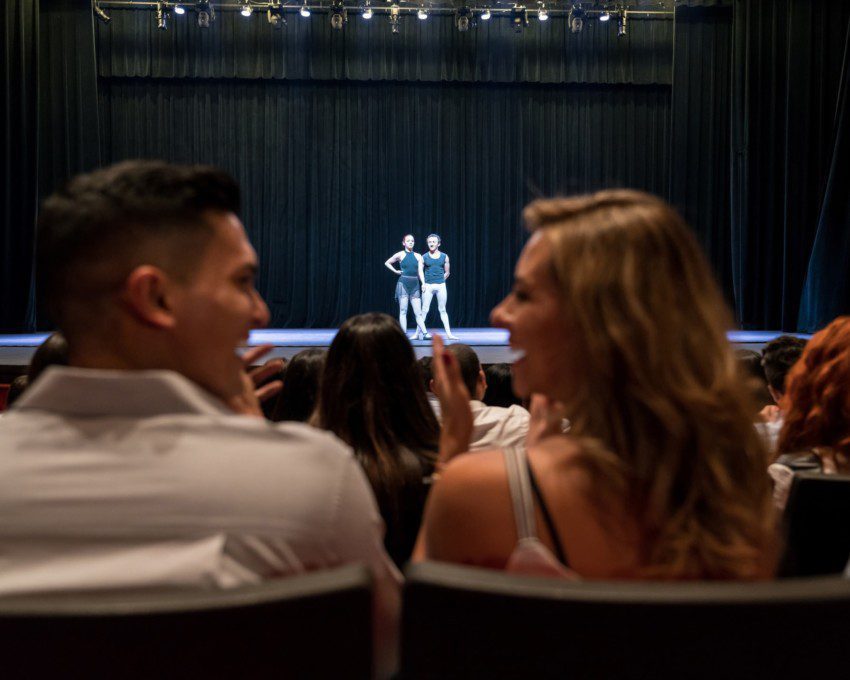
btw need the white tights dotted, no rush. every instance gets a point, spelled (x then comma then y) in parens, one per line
(428, 292)
(416, 303)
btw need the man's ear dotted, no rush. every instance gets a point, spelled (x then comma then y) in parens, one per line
(776, 394)
(146, 294)
(482, 384)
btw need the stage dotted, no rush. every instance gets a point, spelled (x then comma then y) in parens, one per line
(491, 344)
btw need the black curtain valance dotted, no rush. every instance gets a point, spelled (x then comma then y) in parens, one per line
(432, 51)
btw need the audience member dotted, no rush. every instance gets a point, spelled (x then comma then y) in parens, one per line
(129, 468)
(621, 326)
(427, 378)
(301, 379)
(492, 426)
(16, 390)
(52, 352)
(753, 375)
(372, 398)
(500, 391)
(816, 406)
(777, 358)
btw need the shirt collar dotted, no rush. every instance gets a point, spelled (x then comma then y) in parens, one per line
(95, 392)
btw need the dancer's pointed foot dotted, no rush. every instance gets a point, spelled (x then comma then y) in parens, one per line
(428, 336)
(451, 337)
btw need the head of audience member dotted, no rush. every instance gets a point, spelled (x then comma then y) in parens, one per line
(301, 378)
(146, 265)
(425, 372)
(16, 388)
(499, 390)
(777, 358)
(816, 402)
(753, 376)
(52, 352)
(616, 315)
(470, 369)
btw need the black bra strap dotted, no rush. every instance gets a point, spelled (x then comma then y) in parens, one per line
(547, 517)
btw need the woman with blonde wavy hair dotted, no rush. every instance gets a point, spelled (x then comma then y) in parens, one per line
(617, 325)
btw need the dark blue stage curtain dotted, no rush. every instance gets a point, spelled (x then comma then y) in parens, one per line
(787, 59)
(827, 290)
(18, 174)
(344, 141)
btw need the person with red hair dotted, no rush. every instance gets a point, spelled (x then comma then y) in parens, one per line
(816, 431)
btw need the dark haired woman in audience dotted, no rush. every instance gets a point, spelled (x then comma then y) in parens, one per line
(301, 378)
(815, 434)
(621, 328)
(500, 391)
(372, 398)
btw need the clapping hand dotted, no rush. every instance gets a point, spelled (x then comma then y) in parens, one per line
(454, 403)
(249, 400)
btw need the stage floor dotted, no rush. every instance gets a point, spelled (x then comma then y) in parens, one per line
(491, 344)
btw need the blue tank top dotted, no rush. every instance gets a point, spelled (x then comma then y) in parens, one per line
(409, 265)
(435, 269)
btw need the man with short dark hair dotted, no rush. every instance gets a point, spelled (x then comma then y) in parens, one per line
(777, 358)
(492, 426)
(129, 467)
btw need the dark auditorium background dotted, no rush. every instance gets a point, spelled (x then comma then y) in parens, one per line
(736, 111)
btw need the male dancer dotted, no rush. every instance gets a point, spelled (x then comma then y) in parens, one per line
(433, 272)
(407, 288)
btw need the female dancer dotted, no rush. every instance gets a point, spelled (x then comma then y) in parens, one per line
(407, 287)
(433, 272)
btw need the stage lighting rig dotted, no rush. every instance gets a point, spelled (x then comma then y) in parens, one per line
(464, 19)
(304, 11)
(205, 12)
(179, 9)
(485, 15)
(246, 10)
(393, 17)
(367, 10)
(339, 16)
(519, 18)
(422, 14)
(542, 13)
(161, 17)
(99, 13)
(275, 15)
(622, 24)
(576, 18)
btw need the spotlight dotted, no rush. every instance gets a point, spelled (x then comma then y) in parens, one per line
(622, 24)
(605, 16)
(485, 15)
(246, 10)
(206, 13)
(304, 11)
(576, 18)
(367, 11)
(103, 16)
(161, 17)
(463, 19)
(275, 17)
(519, 18)
(339, 16)
(393, 17)
(422, 14)
(179, 9)
(542, 13)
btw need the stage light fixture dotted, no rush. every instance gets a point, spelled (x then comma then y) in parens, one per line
(205, 12)
(393, 17)
(463, 19)
(179, 9)
(622, 24)
(339, 16)
(519, 18)
(246, 10)
(100, 14)
(485, 15)
(367, 11)
(422, 14)
(161, 17)
(542, 13)
(304, 11)
(576, 18)
(274, 15)
(605, 16)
